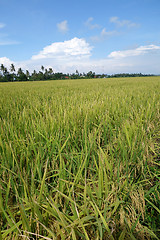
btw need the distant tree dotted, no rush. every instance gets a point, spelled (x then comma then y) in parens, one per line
(46, 74)
(40, 76)
(42, 68)
(6, 75)
(77, 73)
(90, 74)
(73, 76)
(50, 71)
(2, 68)
(33, 76)
(58, 75)
(27, 74)
(5, 71)
(12, 69)
(34, 72)
(19, 72)
(20, 75)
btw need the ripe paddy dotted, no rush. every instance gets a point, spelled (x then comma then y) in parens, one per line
(80, 159)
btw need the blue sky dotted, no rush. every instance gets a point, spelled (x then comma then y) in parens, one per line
(110, 36)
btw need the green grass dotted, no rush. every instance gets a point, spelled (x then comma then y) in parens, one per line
(80, 159)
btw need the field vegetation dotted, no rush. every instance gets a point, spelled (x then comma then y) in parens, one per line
(11, 75)
(80, 159)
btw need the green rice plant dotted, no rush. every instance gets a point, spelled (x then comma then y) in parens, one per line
(80, 159)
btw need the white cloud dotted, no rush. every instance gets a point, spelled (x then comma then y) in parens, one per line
(63, 26)
(103, 35)
(2, 25)
(76, 54)
(134, 52)
(76, 47)
(122, 23)
(5, 40)
(90, 25)
(5, 61)
(8, 42)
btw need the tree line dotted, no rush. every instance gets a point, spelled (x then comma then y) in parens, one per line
(11, 75)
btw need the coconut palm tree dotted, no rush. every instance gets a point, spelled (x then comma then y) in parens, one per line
(2, 68)
(12, 69)
(27, 74)
(50, 71)
(20, 72)
(42, 68)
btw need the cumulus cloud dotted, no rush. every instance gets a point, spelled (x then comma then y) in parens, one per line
(90, 25)
(122, 23)
(134, 52)
(75, 54)
(76, 47)
(5, 61)
(63, 26)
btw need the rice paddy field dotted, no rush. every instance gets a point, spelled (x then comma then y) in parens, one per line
(80, 159)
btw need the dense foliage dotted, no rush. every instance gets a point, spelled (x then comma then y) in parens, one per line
(48, 74)
(80, 159)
